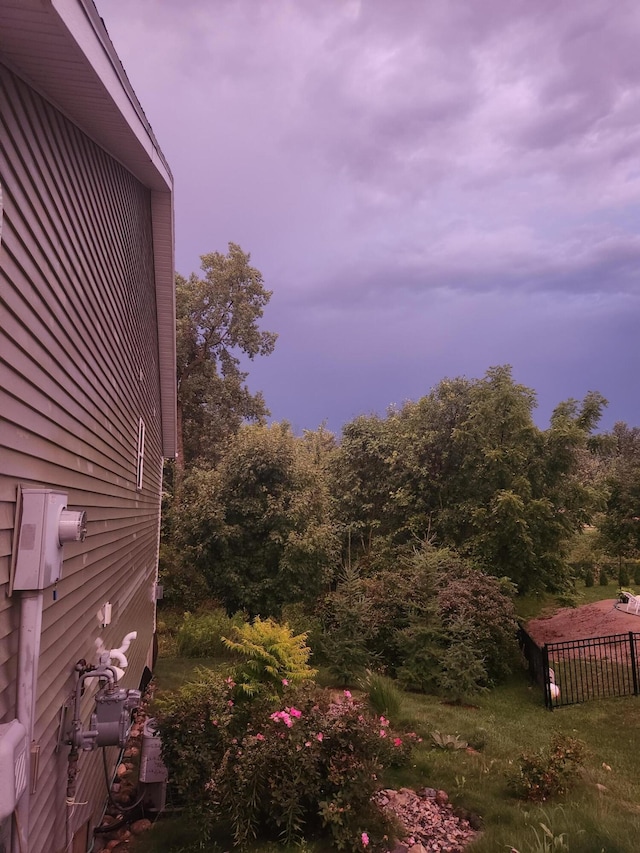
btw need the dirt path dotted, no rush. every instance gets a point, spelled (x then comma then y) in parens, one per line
(600, 619)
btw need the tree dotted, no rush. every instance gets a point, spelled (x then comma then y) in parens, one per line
(620, 524)
(260, 526)
(216, 322)
(467, 467)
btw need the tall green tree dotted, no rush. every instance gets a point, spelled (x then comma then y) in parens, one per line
(620, 523)
(466, 466)
(217, 323)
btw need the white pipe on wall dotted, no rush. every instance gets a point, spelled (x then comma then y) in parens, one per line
(27, 690)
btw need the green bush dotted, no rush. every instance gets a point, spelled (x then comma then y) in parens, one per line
(272, 658)
(349, 622)
(603, 578)
(297, 617)
(588, 577)
(184, 587)
(285, 770)
(200, 635)
(548, 773)
(623, 575)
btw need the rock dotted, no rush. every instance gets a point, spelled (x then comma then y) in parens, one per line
(140, 826)
(429, 821)
(428, 793)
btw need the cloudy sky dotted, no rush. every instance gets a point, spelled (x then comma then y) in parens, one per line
(429, 187)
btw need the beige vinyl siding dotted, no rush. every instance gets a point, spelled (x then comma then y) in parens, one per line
(78, 368)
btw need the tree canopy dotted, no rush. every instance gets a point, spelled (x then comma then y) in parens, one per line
(217, 323)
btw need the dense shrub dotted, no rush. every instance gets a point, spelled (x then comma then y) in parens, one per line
(436, 621)
(623, 575)
(349, 621)
(200, 635)
(298, 618)
(603, 577)
(183, 585)
(284, 770)
(548, 773)
(462, 637)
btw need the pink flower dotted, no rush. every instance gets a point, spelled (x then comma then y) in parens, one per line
(230, 682)
(230, 703)
(397, 741)
(294, 713)
(285, 682)
(282, 716)
(383, 733)
(320, 737)
(259, 736)
(365, 839)
(384, 722)
(347, 694)
(307, 743)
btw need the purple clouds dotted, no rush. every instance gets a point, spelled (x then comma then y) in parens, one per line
(428, 188)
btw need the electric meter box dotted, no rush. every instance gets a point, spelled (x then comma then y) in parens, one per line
(13, 766)
(46, 524)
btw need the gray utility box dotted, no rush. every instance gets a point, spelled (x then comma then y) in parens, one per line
(153, 773)
(45, 526)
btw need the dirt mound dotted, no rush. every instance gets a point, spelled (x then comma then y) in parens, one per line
(601, 619)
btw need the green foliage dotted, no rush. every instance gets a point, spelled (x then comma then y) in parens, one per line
(383, 694)
(461, 634)
(548, 773)
(272, 657)
(620, 524)
(217, 320)
(200, 634)
(603, 577)
(281, 771)
(462, 672)
(588, 576)
(467, 465)
(349, 622)
(623, 575)
(183, 585)
(260, 526)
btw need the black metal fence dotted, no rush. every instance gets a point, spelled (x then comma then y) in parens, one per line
(578, 670)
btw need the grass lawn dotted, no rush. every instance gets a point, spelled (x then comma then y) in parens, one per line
(600, 815)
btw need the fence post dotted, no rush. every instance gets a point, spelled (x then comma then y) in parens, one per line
(548, 700)
(634, 670)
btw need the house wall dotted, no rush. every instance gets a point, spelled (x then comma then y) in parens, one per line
(78, 369)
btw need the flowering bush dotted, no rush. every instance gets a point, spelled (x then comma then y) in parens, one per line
(548, 773)
(306, 766)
